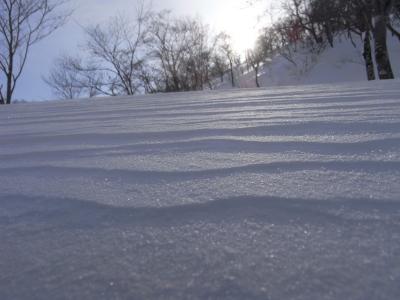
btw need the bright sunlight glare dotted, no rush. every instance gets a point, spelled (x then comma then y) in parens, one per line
(240, 20)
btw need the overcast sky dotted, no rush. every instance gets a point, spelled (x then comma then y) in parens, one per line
(235, 17)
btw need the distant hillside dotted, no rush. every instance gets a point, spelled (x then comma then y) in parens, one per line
(343, 63)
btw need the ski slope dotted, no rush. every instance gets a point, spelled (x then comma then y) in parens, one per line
(278, 193)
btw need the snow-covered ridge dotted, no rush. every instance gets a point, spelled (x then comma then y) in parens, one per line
(284, 193)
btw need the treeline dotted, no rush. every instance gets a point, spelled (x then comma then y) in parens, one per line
(158, 52)
(315, 24)
(155, 52)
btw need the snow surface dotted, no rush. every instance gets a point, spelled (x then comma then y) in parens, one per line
(343, 63)
(287, 193)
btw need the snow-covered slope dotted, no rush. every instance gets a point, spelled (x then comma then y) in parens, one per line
(343, 63)
(288, 193)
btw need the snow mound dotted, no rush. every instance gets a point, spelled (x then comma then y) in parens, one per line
(286, 193)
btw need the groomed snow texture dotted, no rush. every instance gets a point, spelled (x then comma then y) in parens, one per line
(286, 193)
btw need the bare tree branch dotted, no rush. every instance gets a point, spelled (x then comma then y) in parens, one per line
(22, 24)
(393, 30)
(116, 58)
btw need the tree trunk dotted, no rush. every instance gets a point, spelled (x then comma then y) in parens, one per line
(329, 34)
(10, 72)
(1, 95)
(380, 36)
(369, 63)
(257, 81)
(210, 86)
(232, 74)
(9, 89)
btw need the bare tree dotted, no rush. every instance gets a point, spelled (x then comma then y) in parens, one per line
(225, 46)
(356, 19)
(167, 46)
(115, 52)
(22, 24)
(182, 50)
(63, 79)
(254, 59)
(219, 65)
(371, 20)
(311, 24)
(69, 79)
(113, 61)
(394, 20)
(381, 19)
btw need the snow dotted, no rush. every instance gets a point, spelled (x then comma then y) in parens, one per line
(343, 63)
(277, 193)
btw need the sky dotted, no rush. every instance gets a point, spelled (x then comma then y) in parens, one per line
(236, 17)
